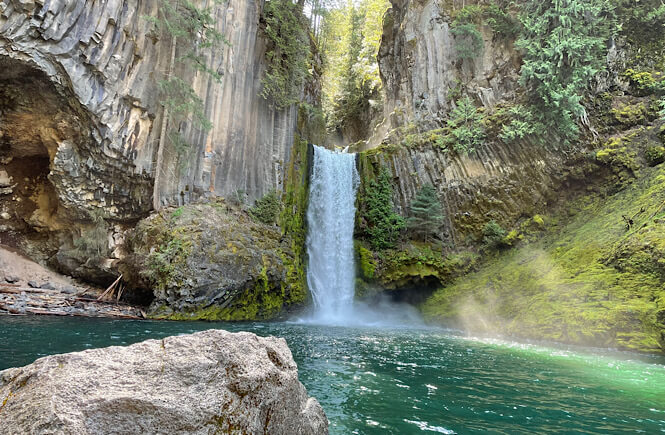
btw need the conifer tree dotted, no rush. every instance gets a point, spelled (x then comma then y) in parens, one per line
(383, 224)
(426, 213)
(564, 47)
(466, 126)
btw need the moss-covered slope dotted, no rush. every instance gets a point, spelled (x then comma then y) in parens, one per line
(595, 279)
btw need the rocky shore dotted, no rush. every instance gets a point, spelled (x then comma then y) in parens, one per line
(28, 288)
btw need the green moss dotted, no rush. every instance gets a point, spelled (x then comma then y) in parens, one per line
(366, 261)
(620, 157)
(538, 220)
(641, 81)
(511, 238)
(292, 220)
(631, 114)
(655, 155)
(418, 263)
(166, 264)
(592, 281)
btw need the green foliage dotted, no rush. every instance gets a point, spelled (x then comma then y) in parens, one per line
(466, 126)
(502, 23)
(538, 220)
(465, 27)
(642, 81)
(184, 106)
(267, 209)
(350, 41)
(287, 54)
(186, 22)
(641, 20)
(426, 214)
(493, 234)
(655, 155)
(522, 124)
(163, 261)
(93, 242)
(469, 14)
(468, 41)
(383, 224)
(564, 46)
(177, 213)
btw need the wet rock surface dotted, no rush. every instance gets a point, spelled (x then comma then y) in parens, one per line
(209, 382)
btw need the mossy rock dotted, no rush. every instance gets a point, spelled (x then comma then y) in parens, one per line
(213, 261)
(655, 155)
(415, 264)
(631, 114)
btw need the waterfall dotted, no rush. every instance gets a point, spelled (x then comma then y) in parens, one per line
(331, 218)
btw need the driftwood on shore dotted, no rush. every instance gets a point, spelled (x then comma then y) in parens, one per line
(18, 300)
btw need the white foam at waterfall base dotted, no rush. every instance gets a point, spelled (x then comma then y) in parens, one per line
(331, 269)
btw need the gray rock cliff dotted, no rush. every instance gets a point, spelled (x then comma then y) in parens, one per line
(81, 118)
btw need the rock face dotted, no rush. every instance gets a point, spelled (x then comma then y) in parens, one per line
(81, 121)
(208, 382)
(103, 59)
(494, 183)
(421, 72)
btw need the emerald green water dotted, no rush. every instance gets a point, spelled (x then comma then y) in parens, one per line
(408, 381)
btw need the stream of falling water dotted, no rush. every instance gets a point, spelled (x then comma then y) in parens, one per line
(330, 217)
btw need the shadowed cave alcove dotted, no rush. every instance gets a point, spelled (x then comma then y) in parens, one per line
(35, 118)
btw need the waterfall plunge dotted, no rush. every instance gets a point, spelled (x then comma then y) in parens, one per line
(330, 216)
(331, 270)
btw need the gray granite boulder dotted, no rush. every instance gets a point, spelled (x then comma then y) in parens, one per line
(209, 382)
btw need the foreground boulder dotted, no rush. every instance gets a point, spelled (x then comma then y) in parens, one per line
(209, 382)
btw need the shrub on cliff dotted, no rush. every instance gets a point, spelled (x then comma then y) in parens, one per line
(383, 224)
(192, 30)
(466, 126)
(266, 210)
(287, 53)
(426, 213)
(493, 234)
(468, 39)
(564, 46)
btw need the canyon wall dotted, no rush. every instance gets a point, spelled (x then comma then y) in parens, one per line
(101, 61)
(81, 119)
(421, 71)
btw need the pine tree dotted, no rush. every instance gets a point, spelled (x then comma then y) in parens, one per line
(426, 213)
(466, 126)
(383, 224)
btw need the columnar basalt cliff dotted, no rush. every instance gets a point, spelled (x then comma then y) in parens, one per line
(421, 71)
(551, 226)
(81, 119)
